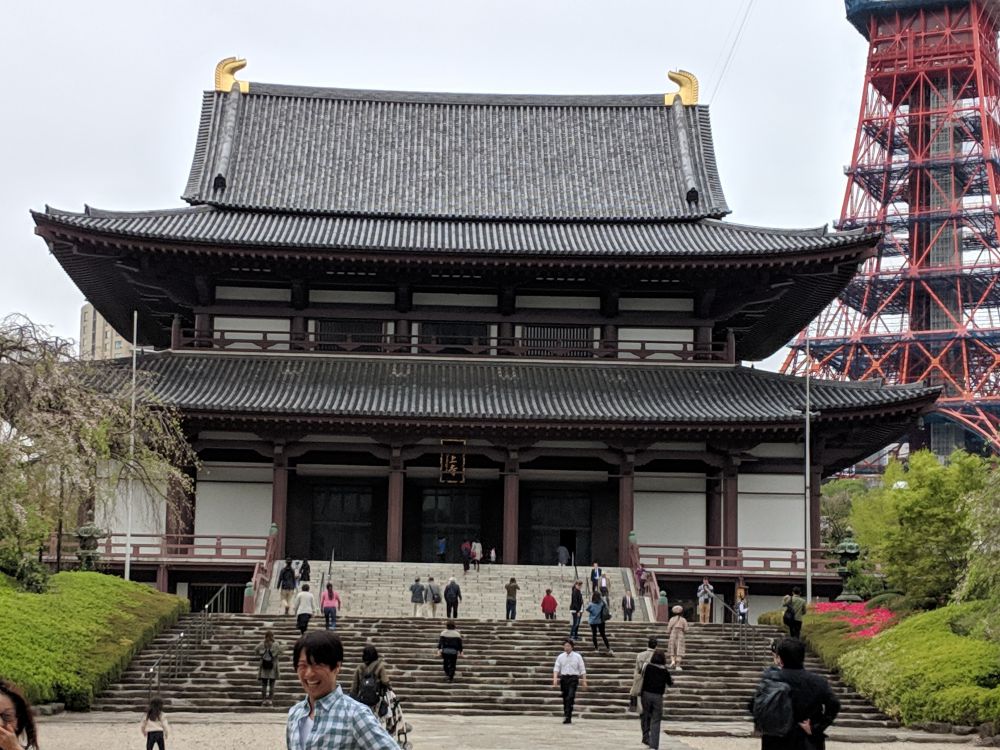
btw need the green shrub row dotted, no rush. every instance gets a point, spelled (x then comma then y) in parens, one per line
(927, 668)
(69, 643)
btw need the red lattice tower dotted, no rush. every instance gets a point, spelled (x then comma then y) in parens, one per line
(924, 172)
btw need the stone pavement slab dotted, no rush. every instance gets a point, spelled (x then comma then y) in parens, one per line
(251, 731)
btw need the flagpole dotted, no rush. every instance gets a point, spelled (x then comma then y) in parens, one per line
(131, 451)
(808, 477)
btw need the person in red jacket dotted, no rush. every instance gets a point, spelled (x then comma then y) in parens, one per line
(549, 605)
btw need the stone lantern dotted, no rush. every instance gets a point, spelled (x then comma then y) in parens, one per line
(848, 551)
(88, 535)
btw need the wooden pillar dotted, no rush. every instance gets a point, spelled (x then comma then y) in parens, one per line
(279, 498)
(175, 332)
(713, 514)
(609, 340)
(394, 523)
(511, 503)
(730, 508)
(162, 579)
(703, 343)
(626, 508)
(299, 333)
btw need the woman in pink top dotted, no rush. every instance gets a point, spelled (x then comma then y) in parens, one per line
(329, 602)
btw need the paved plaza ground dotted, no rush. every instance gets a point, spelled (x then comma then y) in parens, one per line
(104, 731)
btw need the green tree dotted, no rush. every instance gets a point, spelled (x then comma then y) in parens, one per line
(836, 499)
(63, 423)
(914, 525)
(982, 576)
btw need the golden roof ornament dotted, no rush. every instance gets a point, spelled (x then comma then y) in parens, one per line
(688, 92)
(225, 75)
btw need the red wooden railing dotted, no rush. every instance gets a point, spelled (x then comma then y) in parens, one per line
(312, 341)
(735, 560)
(260, 581)
(171, 547)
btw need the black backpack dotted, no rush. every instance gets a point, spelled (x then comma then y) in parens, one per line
(789, 615)
(369, 691)
(267, 660)
(772, 706)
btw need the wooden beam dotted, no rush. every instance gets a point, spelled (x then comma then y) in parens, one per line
(511, 506)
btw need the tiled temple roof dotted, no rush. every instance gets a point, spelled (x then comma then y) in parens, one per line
(405, 154)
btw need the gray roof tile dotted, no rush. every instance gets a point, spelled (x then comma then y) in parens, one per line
(503, 392)
(705, 238)
(376, 153)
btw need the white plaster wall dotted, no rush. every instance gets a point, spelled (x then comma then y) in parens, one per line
(670, 509)
(238, 508)
(558, 303)
(662, 341)
(771, 510)
(253, 293)
(656, 304)
(761, 604)
(347, 296)
(276, 328)
(778, 450)
(149, 508)
(455, 300)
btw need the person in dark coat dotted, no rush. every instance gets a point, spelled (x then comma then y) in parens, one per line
(287, 585)
(814, 704)
(452, 596)
(575, 610)
(449, 649)
(655, 679)
(628, 606)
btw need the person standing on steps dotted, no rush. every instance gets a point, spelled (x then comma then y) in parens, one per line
(598, 615)
(477, 554)
(742, 606)
(549, 605)
(628, 606)
(304, 572)
(466, 550)
(575, 610)
(329, 603)
(512, 589)
(305, 608)
(705, 594)
(442, 547)
(433, 595)
(449, 649)
(268, 653)
(814, 705)
(641, 659)
(326, 719)
(418, 597)
(569, 673)
(287, 585)
(595, 576)
(677, 627)
(562, 556)
(605, 588)
(655, 678)
(452, 596)
(797, 605)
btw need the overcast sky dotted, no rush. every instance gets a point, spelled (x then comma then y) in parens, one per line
(103, 97)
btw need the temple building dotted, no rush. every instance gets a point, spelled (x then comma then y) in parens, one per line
(390, 315)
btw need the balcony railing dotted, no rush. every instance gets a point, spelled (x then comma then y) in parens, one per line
(683, 351)
(764, 561)
(169, 548)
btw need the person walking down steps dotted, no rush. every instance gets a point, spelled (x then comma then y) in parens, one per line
(598, 615)
(568, 673)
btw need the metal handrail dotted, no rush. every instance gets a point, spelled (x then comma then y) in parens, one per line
(206, 623)
(740, 630)
(175, 657)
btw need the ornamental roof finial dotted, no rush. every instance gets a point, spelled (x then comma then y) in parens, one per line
(688, 92)
(225, 75)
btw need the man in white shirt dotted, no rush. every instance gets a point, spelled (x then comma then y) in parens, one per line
(569, 672)
(304, 607)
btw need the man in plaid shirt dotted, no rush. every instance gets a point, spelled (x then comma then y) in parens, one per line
(327, 719)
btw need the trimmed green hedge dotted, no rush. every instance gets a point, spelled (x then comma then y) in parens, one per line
(925, 669)
(69, 643)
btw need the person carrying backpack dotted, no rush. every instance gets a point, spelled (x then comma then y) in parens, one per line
(371, 678)
(268, 654)
(433, 595)
(792, 708)
(795, 608)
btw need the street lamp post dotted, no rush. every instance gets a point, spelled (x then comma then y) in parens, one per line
(131, 453)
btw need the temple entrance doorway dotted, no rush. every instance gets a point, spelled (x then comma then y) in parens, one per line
(453, 511)
(554, 515)
(336, 516)
(567, 539)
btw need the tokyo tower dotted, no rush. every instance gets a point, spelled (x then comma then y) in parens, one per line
(926, 172)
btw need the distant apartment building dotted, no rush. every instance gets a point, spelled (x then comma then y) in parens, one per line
(98, 340)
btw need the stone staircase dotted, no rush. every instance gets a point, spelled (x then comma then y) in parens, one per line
(506, 669)
(383, 589)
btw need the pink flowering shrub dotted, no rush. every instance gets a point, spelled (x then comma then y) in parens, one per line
(863, 622)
